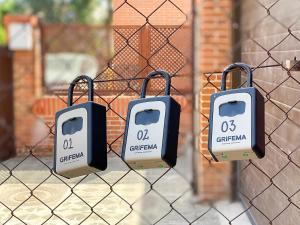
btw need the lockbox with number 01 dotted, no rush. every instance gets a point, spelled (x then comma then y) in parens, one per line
(237, 124)
(151, 132)
(80, 137)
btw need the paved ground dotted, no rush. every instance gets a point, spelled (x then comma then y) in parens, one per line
(112, 208)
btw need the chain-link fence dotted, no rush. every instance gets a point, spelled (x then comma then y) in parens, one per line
(146, 36)
(277, 173)
(267, 37)
(118, 195)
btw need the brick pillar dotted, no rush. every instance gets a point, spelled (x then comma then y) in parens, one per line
(215, 53)
(27, 82)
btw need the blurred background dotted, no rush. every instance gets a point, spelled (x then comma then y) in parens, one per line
(46, 44)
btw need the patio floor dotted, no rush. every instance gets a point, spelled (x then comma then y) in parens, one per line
(49, 193)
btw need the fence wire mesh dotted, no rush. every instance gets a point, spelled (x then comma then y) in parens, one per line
(269, 188)
(268, 37)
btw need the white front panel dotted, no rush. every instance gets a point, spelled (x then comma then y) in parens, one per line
(71, 149)
(144, 142)
(20, 36)
(231, 134)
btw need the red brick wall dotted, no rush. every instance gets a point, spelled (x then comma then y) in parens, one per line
(278, 172)
(26, 87)
(135, 11)
(215, 54)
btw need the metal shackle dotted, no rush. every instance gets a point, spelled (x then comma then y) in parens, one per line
(243, 66)
(90, 88)
(153, 74)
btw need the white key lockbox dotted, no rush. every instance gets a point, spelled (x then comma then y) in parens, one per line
(151, 132)
(80, 136)
(236, 124)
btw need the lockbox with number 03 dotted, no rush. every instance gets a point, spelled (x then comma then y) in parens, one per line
(237, 125)
(80, 137)
(151, 132)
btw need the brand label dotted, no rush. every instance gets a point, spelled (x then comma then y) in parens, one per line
(71, 157)
(143, 147)
(231, 138)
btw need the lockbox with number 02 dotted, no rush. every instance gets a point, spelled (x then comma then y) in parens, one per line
(236, 124)
(80, 137)
(151, 132)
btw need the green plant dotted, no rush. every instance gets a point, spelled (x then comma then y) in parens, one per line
(6, 6)
(59, 11)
